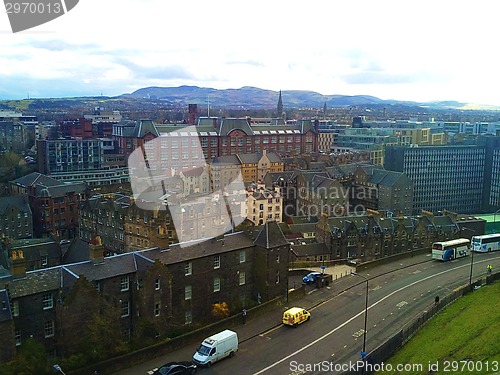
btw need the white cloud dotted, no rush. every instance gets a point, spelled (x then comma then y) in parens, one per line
(391, 49)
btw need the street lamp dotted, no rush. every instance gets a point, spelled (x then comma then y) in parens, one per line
(472, 256)
(58, 368)
(366, 309)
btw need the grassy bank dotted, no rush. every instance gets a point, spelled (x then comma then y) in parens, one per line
(467, 330)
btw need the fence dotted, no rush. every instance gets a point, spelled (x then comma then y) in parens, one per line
(383, 352)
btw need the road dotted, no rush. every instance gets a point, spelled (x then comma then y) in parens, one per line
(334, 335)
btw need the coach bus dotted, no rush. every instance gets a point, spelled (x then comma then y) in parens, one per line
(449, 250)
(486, 243)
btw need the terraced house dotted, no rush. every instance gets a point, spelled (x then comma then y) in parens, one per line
(140, 296)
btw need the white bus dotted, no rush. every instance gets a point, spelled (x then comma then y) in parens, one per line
(486, 243)
(449, 250)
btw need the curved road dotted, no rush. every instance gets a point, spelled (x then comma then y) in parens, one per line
(334, 334)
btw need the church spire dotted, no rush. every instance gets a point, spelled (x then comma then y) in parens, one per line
(279, 108)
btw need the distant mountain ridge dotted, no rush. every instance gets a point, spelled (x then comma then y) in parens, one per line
(254, 97)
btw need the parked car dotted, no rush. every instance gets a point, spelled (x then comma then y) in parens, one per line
(311, 277)
(295, 316)
(175, 368)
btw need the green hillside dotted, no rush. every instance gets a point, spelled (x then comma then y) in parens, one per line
(467, 330)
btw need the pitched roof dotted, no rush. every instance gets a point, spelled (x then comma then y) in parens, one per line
(17, 201)
(60, 190)
(143, 127)
(270, 236)
(38, 281)
(198, 249)
(35, 178)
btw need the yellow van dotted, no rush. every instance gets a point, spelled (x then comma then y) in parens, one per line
(295, 316)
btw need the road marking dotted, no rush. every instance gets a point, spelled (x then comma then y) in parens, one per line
(401, 304)
(376, 288)
(358, 333)
(415, 272)
(354, 317)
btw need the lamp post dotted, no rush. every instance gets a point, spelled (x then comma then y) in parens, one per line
(366, 309)
(472, 256)
(58, 368)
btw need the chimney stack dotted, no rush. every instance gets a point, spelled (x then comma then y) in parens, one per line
(96, 250)
(18, 269)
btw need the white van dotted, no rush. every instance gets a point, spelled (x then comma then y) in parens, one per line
(214, 348)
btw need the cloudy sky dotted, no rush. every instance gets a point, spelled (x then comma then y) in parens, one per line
(406, 50)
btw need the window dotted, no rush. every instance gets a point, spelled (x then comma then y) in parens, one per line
(188, 317)
(243, 256)
(124, 283)
(48, 328)
(15, 308)
(48, 301)
(188, 269)
(242, 278)
(216, 261)
(277, 277)
(44, 260)
(277, 258)
(17, 335)
(188, 290)
(216, 284)
(157, 309)
(125, 307)
(157, 284)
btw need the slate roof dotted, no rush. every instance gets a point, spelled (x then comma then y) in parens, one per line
(38, 281)
(226, 159)
(226, 125)
(36, 178)
(302, 228)
(122, 264)
(143, 127)
(33, 249)
(18, 201)
(5, 313)
(199, 249)
(77, 251)
(311, 249)
(270, 236)
(42, 191)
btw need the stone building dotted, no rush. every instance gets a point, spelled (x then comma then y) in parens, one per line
(143, 296)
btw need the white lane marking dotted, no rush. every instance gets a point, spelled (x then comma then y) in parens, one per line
(354, 317)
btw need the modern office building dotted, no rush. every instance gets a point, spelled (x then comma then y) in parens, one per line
(93, 161)
(443, 177)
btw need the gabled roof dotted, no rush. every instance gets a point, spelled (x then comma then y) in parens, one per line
(226, 125)
(270, 236)
(143, 127)
(35, 178)
(17, 201)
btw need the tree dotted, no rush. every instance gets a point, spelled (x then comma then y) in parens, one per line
(220, 310)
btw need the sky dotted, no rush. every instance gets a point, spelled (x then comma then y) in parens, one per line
(403, 50)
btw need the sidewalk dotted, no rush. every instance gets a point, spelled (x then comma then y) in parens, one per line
(256, 325)
(342, 280)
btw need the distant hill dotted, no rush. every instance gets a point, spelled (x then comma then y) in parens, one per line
(253, 97)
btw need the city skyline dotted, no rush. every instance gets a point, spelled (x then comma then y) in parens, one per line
(388, 49)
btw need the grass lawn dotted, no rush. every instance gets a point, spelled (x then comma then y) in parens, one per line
(469, 329)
